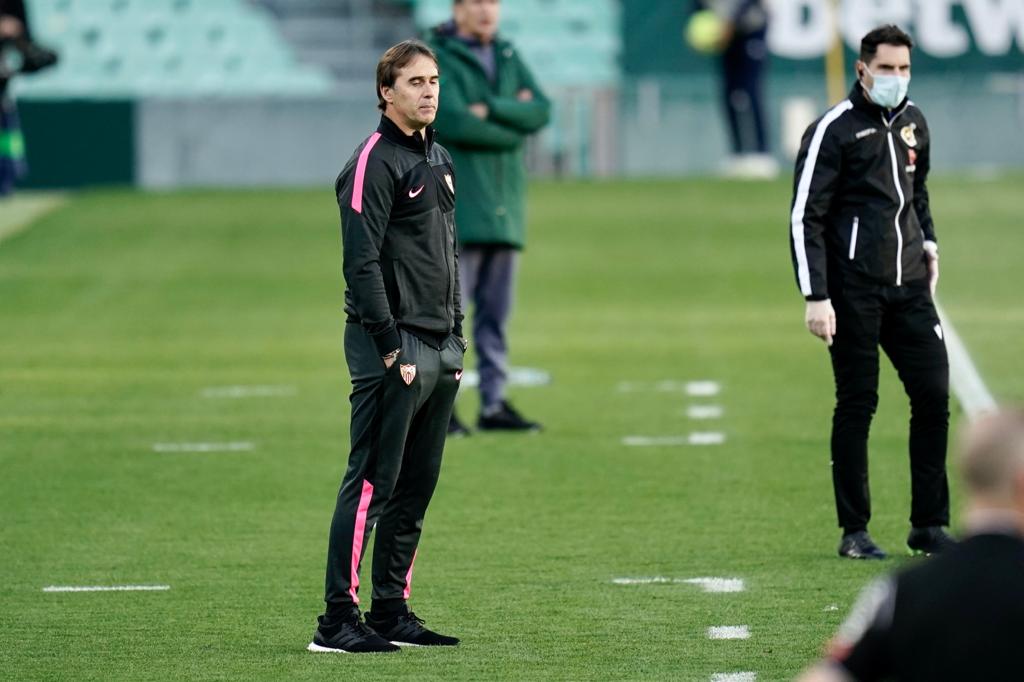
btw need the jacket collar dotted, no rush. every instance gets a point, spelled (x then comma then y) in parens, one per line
(392, 133)
(446, 33)
(861, 101)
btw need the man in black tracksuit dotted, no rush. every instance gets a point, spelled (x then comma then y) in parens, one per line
(404, 349)
(866, 260)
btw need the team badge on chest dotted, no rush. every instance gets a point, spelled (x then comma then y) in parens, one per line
(907, 133)
(448, 179)
(408, 373)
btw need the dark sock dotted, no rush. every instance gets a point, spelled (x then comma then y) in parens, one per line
(336, 615)
(386, 609)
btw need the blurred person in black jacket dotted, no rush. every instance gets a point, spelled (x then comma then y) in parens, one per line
(743, 48)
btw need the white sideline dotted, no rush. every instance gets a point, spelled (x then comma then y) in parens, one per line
(240, 446)
(728, 632)
(966, 381)
(695, 438)
(107, 588)
(248, 391)
(734, 677)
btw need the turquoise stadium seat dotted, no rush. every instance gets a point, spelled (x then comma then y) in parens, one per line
(172, 48)
(568, 43)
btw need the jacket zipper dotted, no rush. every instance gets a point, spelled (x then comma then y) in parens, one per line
(444, 244)
(899, 193)
(853, 237)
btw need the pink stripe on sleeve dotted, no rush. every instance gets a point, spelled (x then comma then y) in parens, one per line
(408, 576)
(357, 538)
(364, 157)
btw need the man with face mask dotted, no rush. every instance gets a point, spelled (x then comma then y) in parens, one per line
(867, 263)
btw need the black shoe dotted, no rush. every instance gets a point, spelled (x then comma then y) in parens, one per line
(859, 545)
(349, 637)
(405, 629)
(929, 540)
(35, 57)
(504, 418)
(456, 429)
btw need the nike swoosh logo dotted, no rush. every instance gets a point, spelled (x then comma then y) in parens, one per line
(413, 193)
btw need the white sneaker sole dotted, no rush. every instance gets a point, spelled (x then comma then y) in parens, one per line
(410, 644)
(316, 648)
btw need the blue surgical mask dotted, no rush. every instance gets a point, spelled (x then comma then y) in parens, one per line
(888, 91)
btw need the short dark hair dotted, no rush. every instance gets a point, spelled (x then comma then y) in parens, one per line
(890, 34)
(394, 60)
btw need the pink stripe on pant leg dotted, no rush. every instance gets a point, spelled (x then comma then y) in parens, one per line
(408, 576)
(364, 157)
(357, 538)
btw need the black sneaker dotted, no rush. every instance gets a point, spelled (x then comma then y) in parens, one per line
(406, 629)
(349, 637)
(505, 418)
(35, 57)
(929, 540)
(456, 429)
(859, 545)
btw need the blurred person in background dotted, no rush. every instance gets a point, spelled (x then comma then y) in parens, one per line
(491, 104)
(737, 30)
(958, 616)
(866, 261)
(404, 350)
(15, 36)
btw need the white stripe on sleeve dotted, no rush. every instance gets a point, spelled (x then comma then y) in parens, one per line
(803, 192)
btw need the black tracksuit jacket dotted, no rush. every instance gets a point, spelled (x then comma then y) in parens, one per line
(860, 202)
(400, 258)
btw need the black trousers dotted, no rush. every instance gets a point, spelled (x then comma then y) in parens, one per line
(903, 321)
(743, 67)
(399, 424)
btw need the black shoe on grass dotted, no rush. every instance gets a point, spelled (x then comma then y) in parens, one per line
(505, 418)
(349, 637)
(456, 429)
(859, 545)
(405, 629)
(929, 540)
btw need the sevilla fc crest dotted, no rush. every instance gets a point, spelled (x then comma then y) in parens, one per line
(908, 135)
(448, 179)
(458, 375)
(408, 373)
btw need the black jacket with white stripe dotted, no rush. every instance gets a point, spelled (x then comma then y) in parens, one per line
(860, 203)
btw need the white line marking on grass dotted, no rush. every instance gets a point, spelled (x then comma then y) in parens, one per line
(107, 588)
(696, 438)
(969, 387)
(21, 211)
(734, 677)
(718, 584)
(248, 391)
(241, 446)
(705, 412)
(529, 377)
(706, 584)
(728, 632)
(692, 388)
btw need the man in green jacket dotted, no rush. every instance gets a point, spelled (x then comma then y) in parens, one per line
(491, 103)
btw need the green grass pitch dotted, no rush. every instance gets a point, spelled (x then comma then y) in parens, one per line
(118, 309)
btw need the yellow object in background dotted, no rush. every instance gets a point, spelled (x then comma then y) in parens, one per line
(704, 32)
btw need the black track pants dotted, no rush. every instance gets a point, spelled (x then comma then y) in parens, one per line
(904, 322)
(399, 425)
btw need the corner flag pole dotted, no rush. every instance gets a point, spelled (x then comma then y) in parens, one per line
(835, 67)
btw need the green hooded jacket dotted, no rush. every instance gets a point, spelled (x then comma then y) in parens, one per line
(490, 204)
